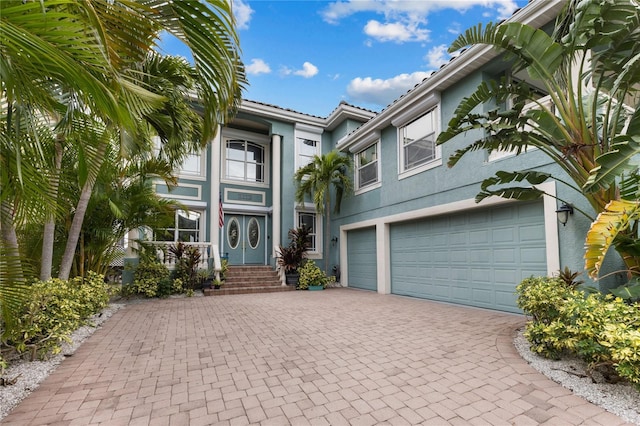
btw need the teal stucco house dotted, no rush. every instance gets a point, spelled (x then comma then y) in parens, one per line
(411, 227)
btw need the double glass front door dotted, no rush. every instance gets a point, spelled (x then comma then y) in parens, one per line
(245, 239)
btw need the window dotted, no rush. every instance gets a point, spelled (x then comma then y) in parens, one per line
(538, 95)
(192, 165)
(307, 148)
(308, 220)
(418, 141)
(367, 166)
(186, 228)
(245, 161)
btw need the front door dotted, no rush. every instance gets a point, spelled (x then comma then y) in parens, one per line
(245, 239)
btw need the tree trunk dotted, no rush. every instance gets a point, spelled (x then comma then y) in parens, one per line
(327, 234)
(48, 235)
(78, 219)
(10, 243)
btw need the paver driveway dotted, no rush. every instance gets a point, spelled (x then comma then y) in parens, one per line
(335, 357)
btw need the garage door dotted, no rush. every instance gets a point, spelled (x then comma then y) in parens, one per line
(361, 258)
(475, 258)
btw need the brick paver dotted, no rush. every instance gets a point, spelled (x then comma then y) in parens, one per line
(335, 357)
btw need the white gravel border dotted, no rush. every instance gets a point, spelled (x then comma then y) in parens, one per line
(30, 374)
(620, 399)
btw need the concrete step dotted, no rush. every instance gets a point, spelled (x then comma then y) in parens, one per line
(249, 280)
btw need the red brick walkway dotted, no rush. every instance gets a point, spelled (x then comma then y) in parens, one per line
(336, 357)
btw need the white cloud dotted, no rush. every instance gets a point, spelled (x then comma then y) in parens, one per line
(397, 31)
(437, 56)
(409, 14)
(242, 12)
(258, 66)
(383, 92)
(308, 70)
(454, 28)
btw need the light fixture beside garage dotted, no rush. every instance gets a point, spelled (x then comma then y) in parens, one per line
(563, 213)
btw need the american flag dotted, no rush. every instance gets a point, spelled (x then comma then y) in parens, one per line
(220, 214)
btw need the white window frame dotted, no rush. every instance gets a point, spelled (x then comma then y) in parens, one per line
(316, 252)
(176, 229)
(200, 174)
(246, 137)
(430, 103)
(357, 167)
(200, 159)
(499, 154)
(303, 133)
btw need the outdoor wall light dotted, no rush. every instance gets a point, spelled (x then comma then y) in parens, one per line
(563, 213)
(334, 240)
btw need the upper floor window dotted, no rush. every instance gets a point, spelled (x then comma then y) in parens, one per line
(245, 161)
(192, 165)
(418, 141)
(366, 165)
(308, 143)
(307, 148)
(539, 98)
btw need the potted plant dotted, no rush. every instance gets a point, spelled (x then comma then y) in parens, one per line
(205, 278)
(312, 277)
(290, 257)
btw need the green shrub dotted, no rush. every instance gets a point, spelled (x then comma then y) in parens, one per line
(602, 330)
(147, 278)
(311, 274)
(53, 310)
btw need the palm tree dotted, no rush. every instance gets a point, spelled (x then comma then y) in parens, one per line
(74, 65)
(317, 179)
(589, 68)
(88, 51)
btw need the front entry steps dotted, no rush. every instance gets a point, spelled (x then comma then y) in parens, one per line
(249, 279)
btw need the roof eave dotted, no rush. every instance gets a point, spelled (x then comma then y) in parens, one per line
(537, 14)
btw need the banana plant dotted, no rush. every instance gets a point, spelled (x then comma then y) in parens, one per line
(588, 124)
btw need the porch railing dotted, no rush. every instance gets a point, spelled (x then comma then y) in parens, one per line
(209, 255)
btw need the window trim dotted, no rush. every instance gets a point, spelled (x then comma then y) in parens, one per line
(359, 189)
(202, 175)
(308, 208)
(201, 227)
(436, 161)
(266, 160)
(202, 154)
(303, 132)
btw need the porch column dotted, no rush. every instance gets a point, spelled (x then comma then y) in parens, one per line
(276, 143)
(214, 171)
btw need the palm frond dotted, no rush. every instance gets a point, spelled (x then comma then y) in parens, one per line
(617, 217)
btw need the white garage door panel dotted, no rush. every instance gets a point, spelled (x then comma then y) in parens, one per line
(475, 258)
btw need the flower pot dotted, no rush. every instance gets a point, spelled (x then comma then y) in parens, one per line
(216, 287)
(316, 287)
(291, 278)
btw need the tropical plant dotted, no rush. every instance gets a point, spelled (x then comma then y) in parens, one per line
(71, 71)
(600, 329)
(290, 257)
(187, 264)
(317, 179)
(590, 127)
(312, 275)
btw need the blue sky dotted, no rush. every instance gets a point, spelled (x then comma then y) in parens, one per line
(310, 55)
